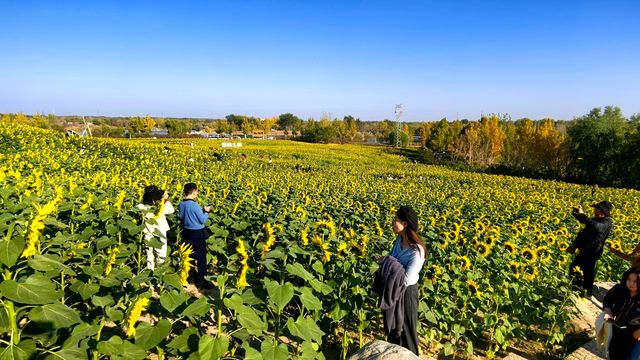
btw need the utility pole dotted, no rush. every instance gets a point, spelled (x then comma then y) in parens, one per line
(398, 112)
(87, 129)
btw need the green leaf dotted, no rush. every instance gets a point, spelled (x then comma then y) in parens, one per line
(249, 319)
(279, 295)
(5, 323)
(102, 301)
(199, 307)
(47, 263)
(85, 290)
(309, 301)
(148, 336)
(56, 316)
(35, 290)
(448, 349)
(251, 353)
(23, 351)
(116, 347)
(306, 329)
(310, 351)
(81, 331)
(11, 248)
(114, 315)
(317, 267)
(210, 348)
(431, 317)
(338, 312)
(72, 353)
(235, 302)
(298, 270)
(321, 287)
(271, 352)
(173, 279)
(172, 299)
(187, 342)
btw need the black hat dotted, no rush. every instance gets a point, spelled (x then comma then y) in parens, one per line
(152, 194)
(406, 213)
(604, 206)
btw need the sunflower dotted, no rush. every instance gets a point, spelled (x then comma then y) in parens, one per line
(464, 262)
(514, 266)
(444, 240)
(563, 245)
(304, 236)
(543, 254)
(137, 308)
(474, 288)
(529, 255)
(435, 272)
(529, 272)
(483, 249)
(577, 271)
(510, 247)
(551, 239)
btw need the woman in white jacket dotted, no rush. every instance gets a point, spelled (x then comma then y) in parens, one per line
(155, 203)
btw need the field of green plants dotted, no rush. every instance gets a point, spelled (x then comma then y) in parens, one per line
(295, 232)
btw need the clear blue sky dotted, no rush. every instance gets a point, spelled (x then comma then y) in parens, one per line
(208, 59)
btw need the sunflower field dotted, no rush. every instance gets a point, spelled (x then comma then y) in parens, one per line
(295, 231)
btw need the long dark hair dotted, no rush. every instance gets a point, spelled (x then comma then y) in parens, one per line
(625, 276)
(406, 213)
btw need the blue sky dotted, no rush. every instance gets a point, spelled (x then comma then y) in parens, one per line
(454, 59)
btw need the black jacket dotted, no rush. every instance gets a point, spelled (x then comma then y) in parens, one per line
(616, 298)
(590, 240)
(389, 284)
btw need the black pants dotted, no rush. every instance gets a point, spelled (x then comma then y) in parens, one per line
(587, 264)
(621, 344)
(409, 336)
(197, 240)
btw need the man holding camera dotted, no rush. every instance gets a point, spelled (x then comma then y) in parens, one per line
(589, 243)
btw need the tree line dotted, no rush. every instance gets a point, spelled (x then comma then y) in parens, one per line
(601, 147)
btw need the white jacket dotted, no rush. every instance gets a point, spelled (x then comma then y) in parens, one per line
(603, 332)
(161, 223)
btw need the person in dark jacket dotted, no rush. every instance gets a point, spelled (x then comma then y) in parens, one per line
(622, 307)
(589, 243)
(409, 250)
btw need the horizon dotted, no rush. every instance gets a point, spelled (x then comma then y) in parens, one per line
(359, 58)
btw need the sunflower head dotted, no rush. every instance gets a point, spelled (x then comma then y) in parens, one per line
(529, 255)
(510, 247)
(563, 245)
(483, 249)
(474, 288)
(463, 262)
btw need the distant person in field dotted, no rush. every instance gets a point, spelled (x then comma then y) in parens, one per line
(589, 244)
(397, 281)
(193, 217)
(156, 205)
(621, 307)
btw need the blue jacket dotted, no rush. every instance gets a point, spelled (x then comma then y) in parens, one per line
(192, 215)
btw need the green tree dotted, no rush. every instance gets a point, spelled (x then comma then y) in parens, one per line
(597, 143)
(178, 127)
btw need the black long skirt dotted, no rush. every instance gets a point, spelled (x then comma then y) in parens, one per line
(409, 336)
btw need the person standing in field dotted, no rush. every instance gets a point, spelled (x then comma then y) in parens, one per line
(589, 244)
(622, 308)
(193, 217)
(156, 207)
(407, 256)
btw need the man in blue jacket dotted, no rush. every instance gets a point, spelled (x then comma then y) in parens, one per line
(193, 218)
(589, 243)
